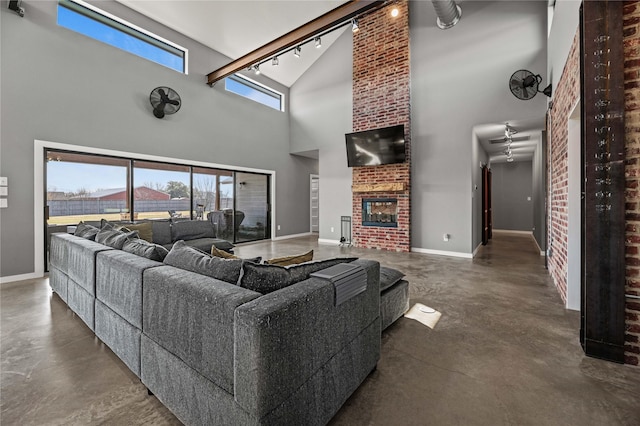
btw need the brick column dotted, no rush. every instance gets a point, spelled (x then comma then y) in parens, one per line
(381, 88)
(631, 25)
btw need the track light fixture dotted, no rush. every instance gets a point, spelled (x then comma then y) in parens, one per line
(256, 69)
(297, 51)
(275, 61)
(318, 42)
(354, 25)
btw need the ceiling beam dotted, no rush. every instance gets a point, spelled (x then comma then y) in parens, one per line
(295, 37)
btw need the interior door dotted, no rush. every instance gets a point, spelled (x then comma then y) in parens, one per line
(487, 224)
(315, 203)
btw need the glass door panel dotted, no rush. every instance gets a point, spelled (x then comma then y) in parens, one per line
(252, 207)
(161, 190)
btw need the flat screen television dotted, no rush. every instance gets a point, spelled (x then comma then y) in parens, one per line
(376, 147)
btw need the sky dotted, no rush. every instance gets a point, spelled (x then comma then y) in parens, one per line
(69, 177)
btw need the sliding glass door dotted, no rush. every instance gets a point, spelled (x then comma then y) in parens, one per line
(252, 207)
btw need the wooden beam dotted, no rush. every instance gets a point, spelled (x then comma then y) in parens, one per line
(379, 187)
(293, 38)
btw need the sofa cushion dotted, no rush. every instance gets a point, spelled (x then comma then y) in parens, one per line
(191, 230)
(145, 230)
(388, 277)
(205, 244)
(191, 259)
(146, 249)
(86, 231)
(114, 238)
(161, 231)
(291, 260)
(267, 278)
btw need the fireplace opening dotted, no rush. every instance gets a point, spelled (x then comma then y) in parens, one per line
(380, 212)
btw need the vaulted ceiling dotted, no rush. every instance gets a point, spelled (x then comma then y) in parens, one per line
(235, 28)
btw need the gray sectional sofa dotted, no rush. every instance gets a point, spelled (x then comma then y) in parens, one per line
(216, 352)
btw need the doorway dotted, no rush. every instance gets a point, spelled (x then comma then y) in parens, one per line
(574, 201)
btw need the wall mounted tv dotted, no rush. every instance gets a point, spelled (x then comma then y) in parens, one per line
(376, 147)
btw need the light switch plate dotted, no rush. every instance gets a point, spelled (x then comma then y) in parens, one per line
(4, 181)
(4, 190)
(3, 203)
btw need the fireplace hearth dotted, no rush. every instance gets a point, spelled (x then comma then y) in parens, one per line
(380, 212)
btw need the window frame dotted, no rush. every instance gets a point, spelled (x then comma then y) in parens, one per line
(125, 27)
(262, 88)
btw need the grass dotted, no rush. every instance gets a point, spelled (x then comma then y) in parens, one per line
(75, 219)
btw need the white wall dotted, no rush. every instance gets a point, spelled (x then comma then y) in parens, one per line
(459, 79)
(321, 114)
(61, 86)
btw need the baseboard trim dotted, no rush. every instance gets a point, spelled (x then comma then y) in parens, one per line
(509, 231)
(22, 277)
(328, 242)
(443, 253)
(476, 250)
(288, 237)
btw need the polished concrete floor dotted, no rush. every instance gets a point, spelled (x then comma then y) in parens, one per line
(505, 352)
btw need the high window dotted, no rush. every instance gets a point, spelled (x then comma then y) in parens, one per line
(255, 91)
(102, 26)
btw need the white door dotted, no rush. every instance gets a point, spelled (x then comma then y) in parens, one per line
(315, 203)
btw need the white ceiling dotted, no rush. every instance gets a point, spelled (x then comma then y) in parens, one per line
(523, 150)
(235, 28)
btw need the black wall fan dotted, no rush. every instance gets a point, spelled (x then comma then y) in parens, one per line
(164, 100)
(525, 85)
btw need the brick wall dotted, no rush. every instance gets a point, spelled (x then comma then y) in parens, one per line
(381, 88)
(632, 172)
(564, 100)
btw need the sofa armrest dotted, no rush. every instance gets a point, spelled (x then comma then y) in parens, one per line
(283, 338)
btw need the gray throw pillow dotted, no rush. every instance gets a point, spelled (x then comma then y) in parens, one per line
(191, 259)
(267, 278)
(388, 277)
(114, 238)
(146, 249)
(86, 231)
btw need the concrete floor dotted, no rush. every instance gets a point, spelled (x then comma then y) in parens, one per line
(505, 352)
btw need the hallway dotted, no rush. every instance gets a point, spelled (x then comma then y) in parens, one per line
(505, 352)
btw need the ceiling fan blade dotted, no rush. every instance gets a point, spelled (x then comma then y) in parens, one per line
(529, 81)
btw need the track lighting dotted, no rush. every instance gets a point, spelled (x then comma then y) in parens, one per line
(510, 160)
(354, 25)
(275, 61)
(318, 42)
(256, 69)
(394, 12)
(297, 51)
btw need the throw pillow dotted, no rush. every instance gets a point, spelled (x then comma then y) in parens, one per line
(145, 230)
(114, 238)
(146, 249)
(192, 229)
(216, 252)
(86, 231)
(388, 277)
(191, 259)
(267, 278)
(291, 260)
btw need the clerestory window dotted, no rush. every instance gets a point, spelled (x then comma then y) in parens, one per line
(102, 26)
(255, 91)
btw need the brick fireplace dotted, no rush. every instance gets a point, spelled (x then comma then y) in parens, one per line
(381, 72)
